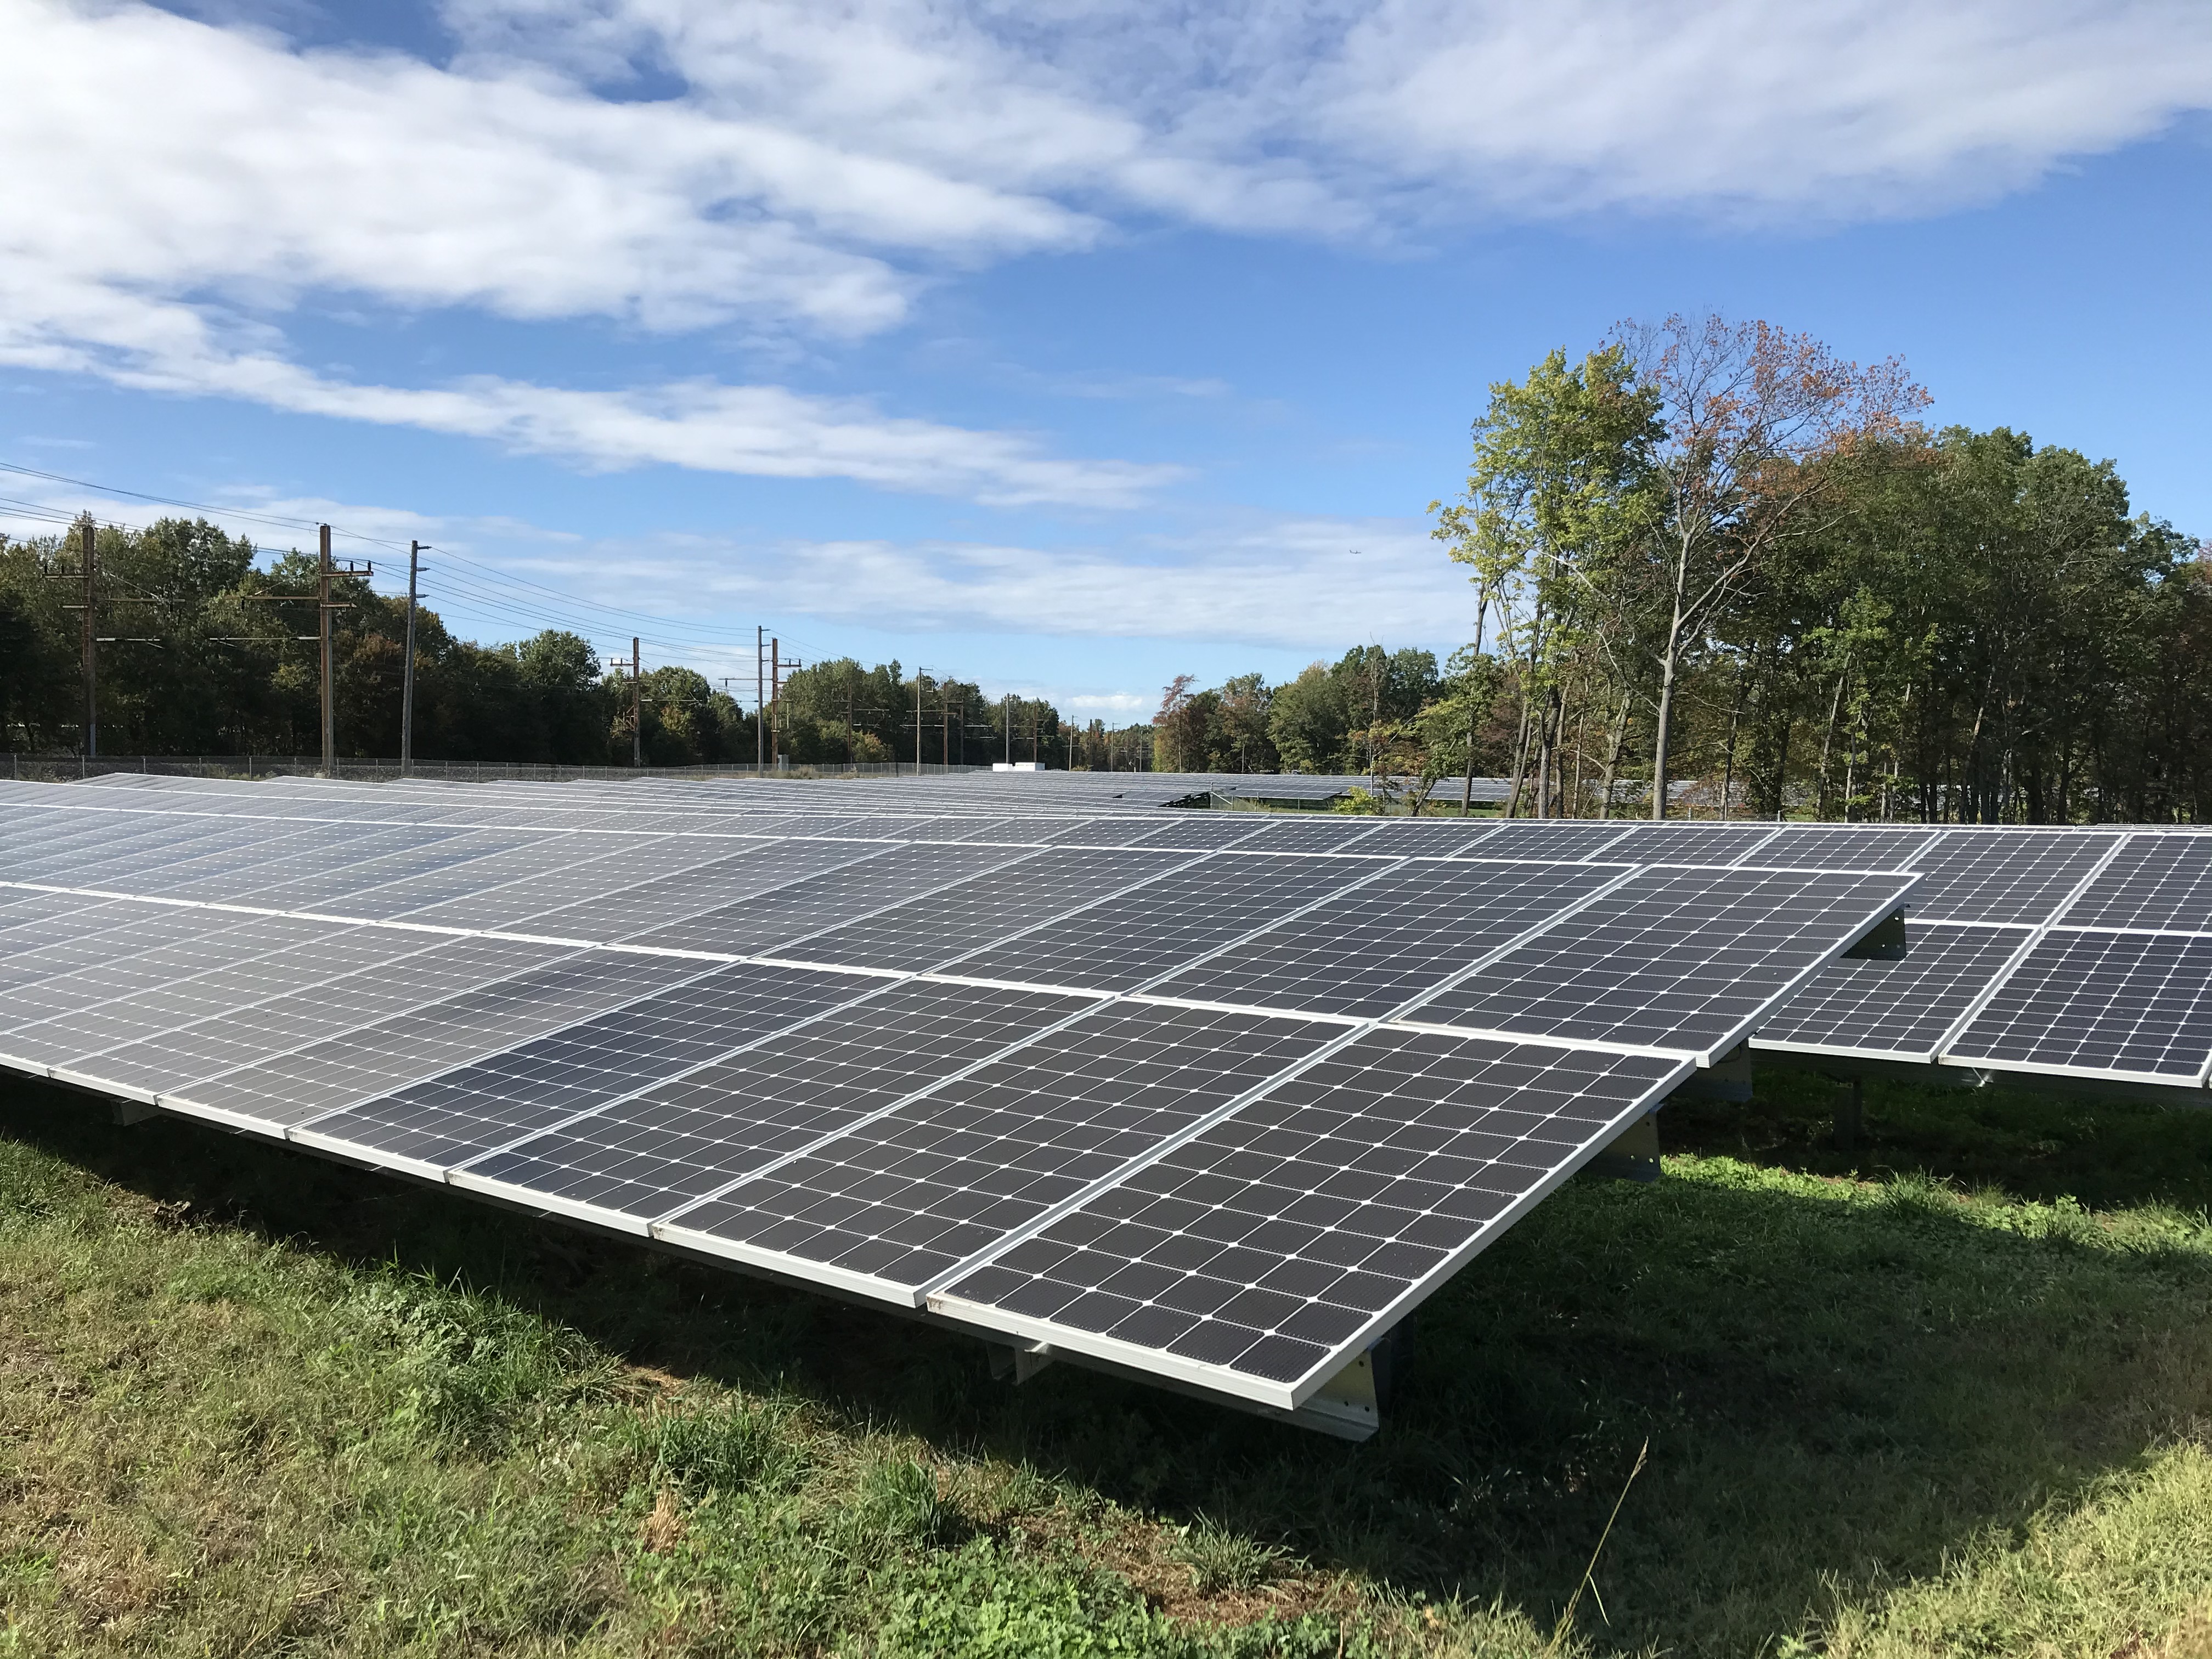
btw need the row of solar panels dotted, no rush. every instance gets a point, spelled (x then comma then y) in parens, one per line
(2076, 953)
(1220, 1114)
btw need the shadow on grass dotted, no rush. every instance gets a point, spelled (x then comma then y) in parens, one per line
(1838, 1383)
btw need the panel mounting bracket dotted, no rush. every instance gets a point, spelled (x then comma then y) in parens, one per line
(1019, 1360)
(1631, 1155)
(1883, 942)
(1727, 1078)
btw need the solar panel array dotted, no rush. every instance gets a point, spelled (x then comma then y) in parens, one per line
(2083, 955)
(1215, 1097)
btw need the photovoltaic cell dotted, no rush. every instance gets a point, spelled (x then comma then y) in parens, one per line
(1272, 1243)
(1673, 959)
(1365, 953)
(458, 1114)
(2162, 881)
(907, 1196)
(1902, 1007)
(645, 1156)
(2090, 1000)
(1119, 946)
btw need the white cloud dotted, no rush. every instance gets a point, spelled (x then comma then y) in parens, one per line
(1294, 584)
(1324, 116)
(176, 190)
(176, 186)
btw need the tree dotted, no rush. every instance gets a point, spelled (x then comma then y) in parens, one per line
(1557, 496)
(1749, 412)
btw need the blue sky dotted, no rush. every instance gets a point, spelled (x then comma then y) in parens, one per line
(1065, 347)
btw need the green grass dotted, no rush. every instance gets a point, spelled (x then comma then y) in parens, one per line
(1958, 1403)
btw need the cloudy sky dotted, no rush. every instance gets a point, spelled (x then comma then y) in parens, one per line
(1065, 345)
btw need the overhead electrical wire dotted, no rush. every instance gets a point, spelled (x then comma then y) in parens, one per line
(482, 593)
(707, 634)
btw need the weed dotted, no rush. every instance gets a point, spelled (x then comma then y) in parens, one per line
(1221, 1559)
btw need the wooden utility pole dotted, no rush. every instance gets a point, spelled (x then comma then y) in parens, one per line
(760, 707)
(326, 568)
(407, 669)
(323, 635)
(775, 701)
(917, 719)
(636, 704)
(89, 556)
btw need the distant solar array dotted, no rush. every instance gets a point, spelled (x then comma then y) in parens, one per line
(1214, 1099)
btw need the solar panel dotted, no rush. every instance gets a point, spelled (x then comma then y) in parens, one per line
(1173, 919)
(1553, 838)
(796, 909)
(1904, 1007)
(2156, 881)
(1672, 958)
(641, 1157)
(1441, 838)
(1366, 952)
(1854, 847)
(287, 1080)
(1228, 829)
(2128, 1005)
(967, 914)
(893, 1202)
(478, 1107)
(1999, 875)
(637, 911)
(1265, 1250)
(1692, 843)
(1318, 834)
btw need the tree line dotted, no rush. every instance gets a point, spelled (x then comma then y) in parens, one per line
(209, 647)
(1717, 568)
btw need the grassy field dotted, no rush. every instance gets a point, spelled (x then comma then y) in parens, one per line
(1957, 1400)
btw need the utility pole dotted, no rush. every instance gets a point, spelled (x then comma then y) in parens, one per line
(775, 700)
(90, 558)
(407, 669)
(1010, 727)
(917, 719)
(322, 632)
(326, 570)
(760, 708)
(636, 704)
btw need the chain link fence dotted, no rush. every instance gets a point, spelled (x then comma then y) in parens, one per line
(54, 768)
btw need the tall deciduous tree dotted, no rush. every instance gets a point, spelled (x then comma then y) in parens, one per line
(1749, 412)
